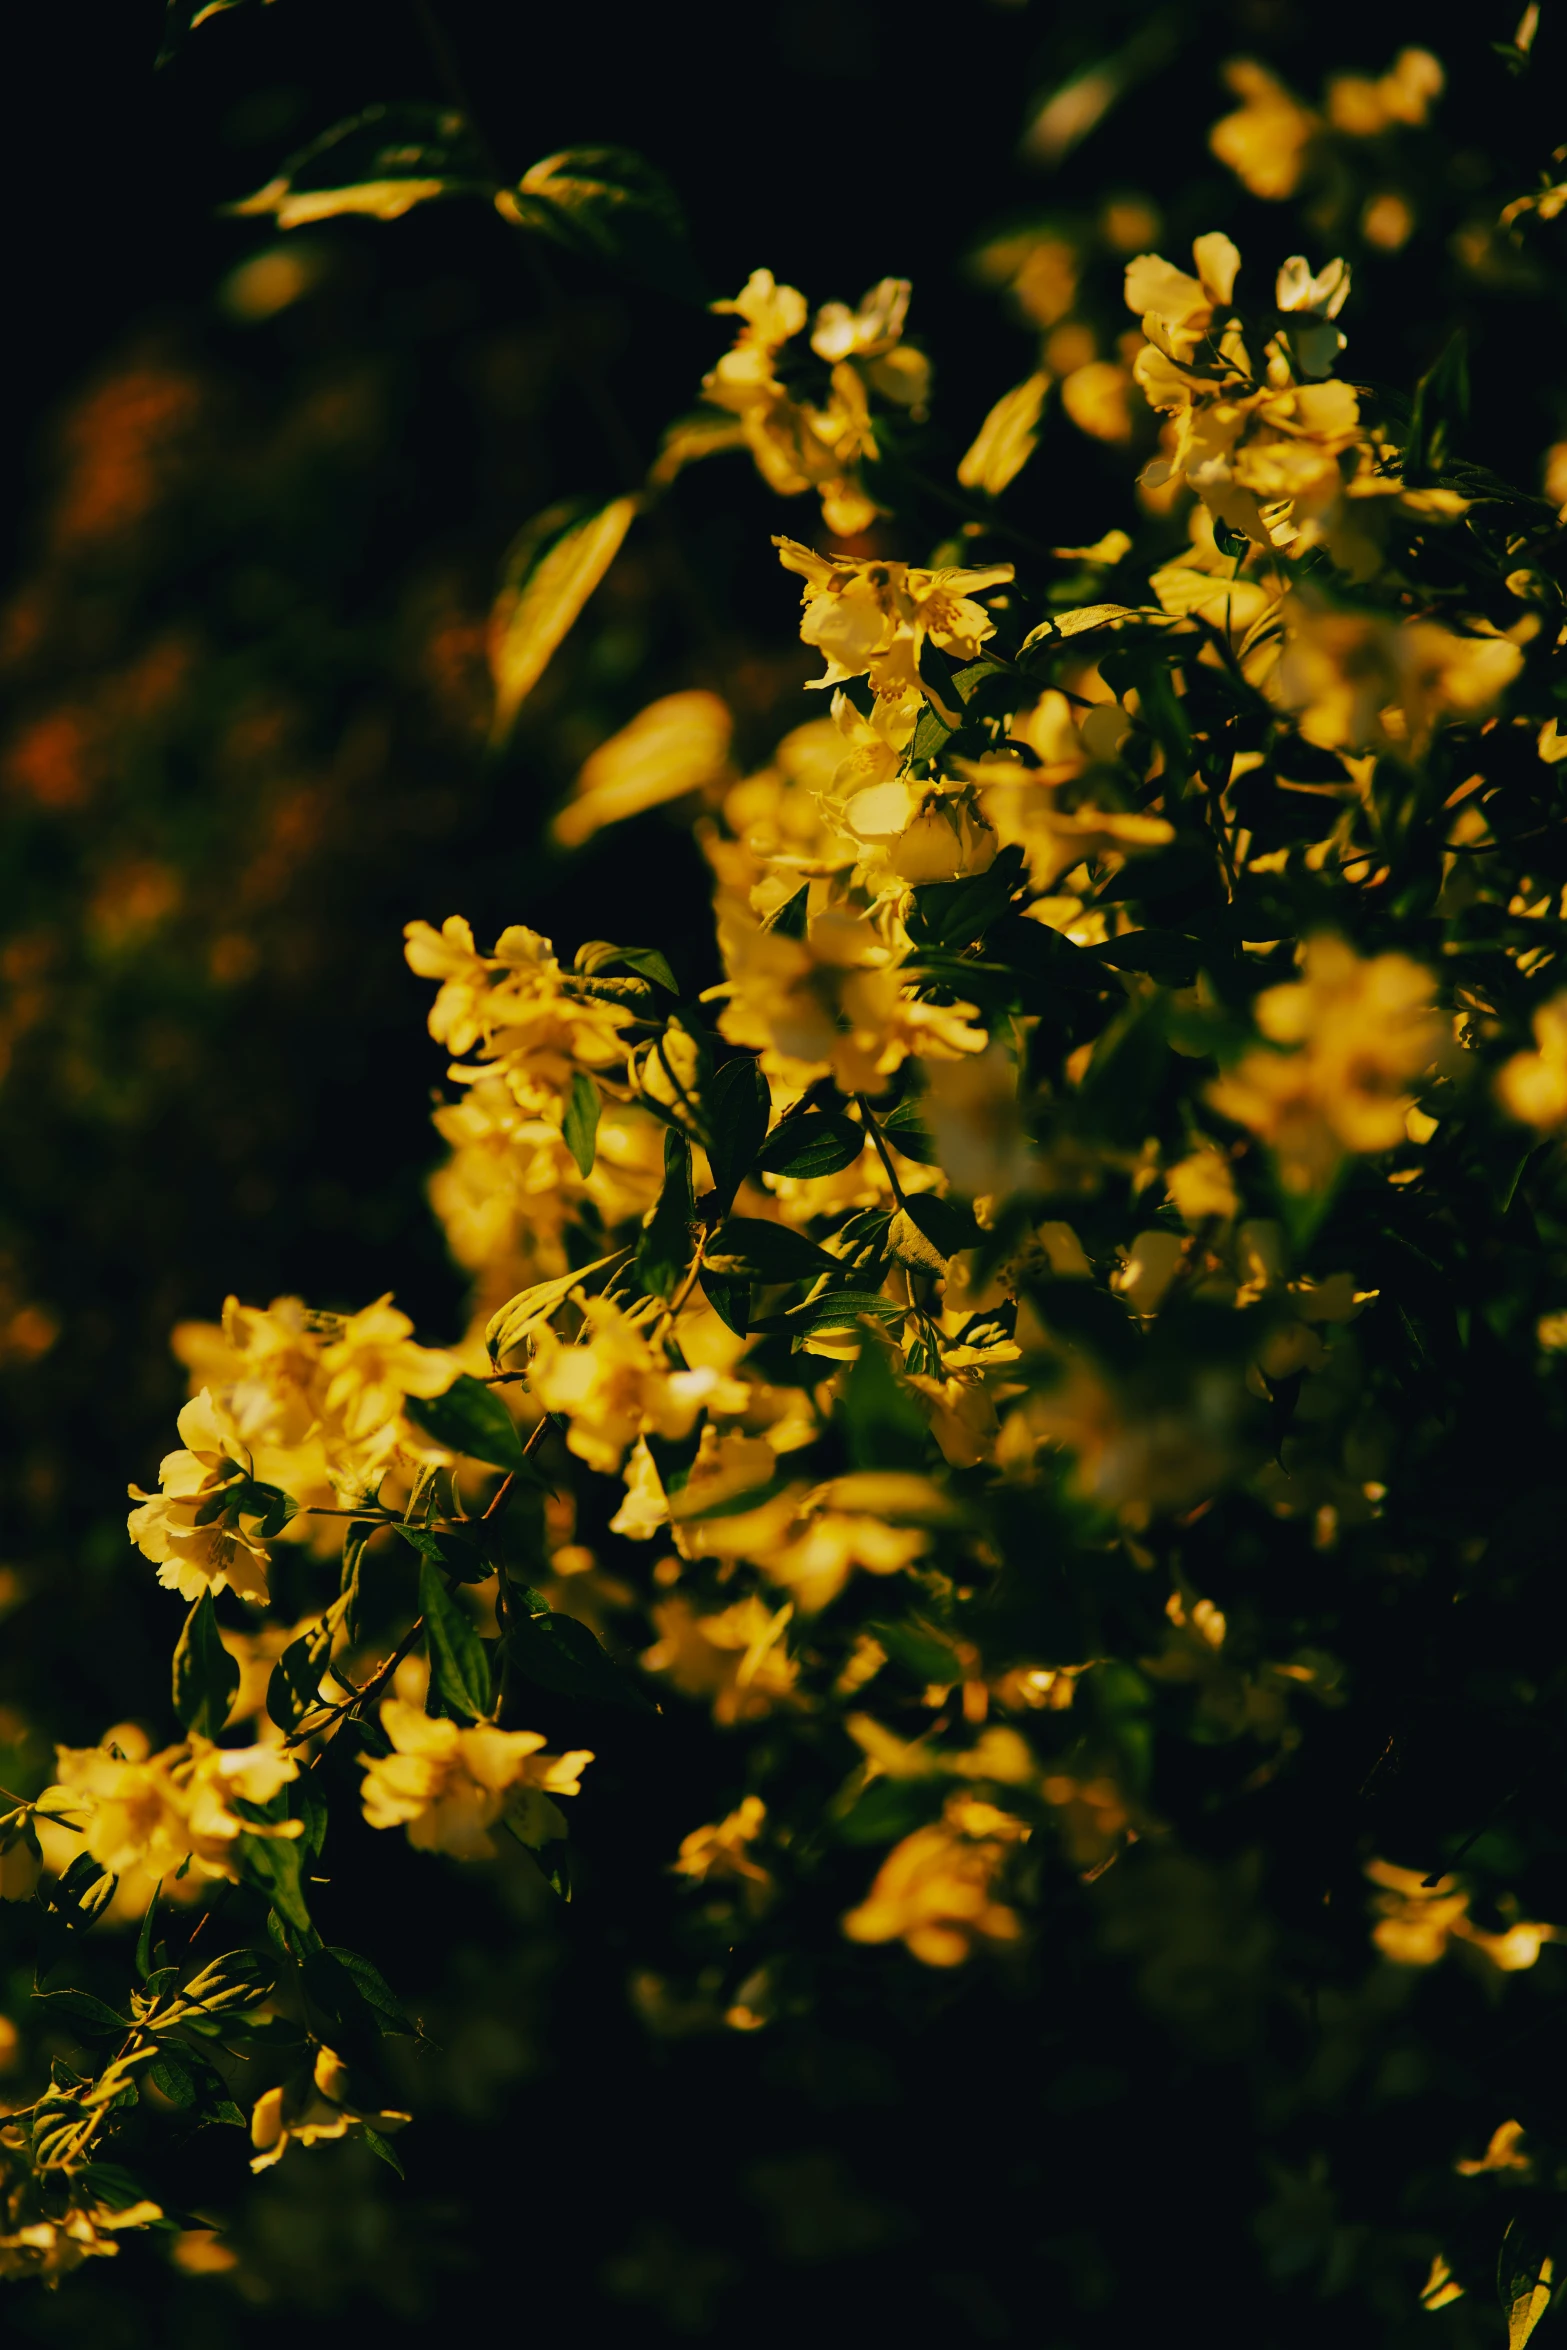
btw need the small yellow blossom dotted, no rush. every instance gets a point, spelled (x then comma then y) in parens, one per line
(155, 1813)
(737, 1657)
(1532, 1087)
(197, 1540)
(722, 1851)
(1345, 672)
(614, 1387)
(1417, 1921)
(308, 2112)
(1363, 107)
(871, 619)
(448, 1786)
(935, 1891)
(830, 1002)
(1265, 142)
(1355, 1033)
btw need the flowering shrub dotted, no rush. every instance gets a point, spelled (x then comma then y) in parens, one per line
(978, 1353)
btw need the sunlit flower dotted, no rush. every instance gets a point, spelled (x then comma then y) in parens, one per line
(935, 1891)
(448, 1786)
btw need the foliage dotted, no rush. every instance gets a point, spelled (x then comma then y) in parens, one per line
(1008, 1405)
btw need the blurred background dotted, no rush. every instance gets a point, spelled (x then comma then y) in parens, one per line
(256, 495)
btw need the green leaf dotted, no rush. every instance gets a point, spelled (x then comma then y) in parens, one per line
(1163, 954)
(750, 1248)
(737, 1107)
(89, 2015)
(730, 1301)
(551, 570)
(511, 1323)
(580, 1125)
(206, 1677)
(375, 1991)
(380, 163)
(459, 1667)
(665, 1249)
(464, 1561)
(901, 1127)
(836, 1309)
(611, 204)
(1524, 2272)
(1441, 411)
(382, 2149)
(816, 1142)
(885, 1426)
(469, 1418)
(944, 1224)
(789, 919)
(274, 1865)
(294, 1688)
(560, 1654)
(174, 2078)
(596, 955)
(955, 913)
(356, 1996)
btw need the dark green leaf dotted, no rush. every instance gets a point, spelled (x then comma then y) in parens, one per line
(375, 1991)
(275, 1866)
(89, 2015)
(955, 913)
(1441, 411)
(462, 1559)
(737, 1106)
(293, 1691)
(459, 1667)
(382, 2149)
(560, 1654)
(730, 1301)
(380, 163)
(596, 955)
(1163, 954)
(610, 203)
(946, 1223)
(144, 1940)
(206, 1677)
(750, 1248)
(580, 1125)
(816, 1142)
(838, 1309)
(886, 1427)
(789, 919)
(902, 1128)
(665, 1250)
(1523, 2271)
(1162, 873)
(469, 1418)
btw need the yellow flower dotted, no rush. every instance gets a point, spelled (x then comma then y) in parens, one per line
(1345, 672)
(1363, 107)
(307, 2112)
(1316, 342)
(935, 1891)
(1355, 1033)
(613, 1387)
(870, 619)
(1178, 310)
(1007, 438)
(197, 1540)
(829, 1003)
(1097, 398)
(1266, 141)
(1532, 1087)
(737, 1656)
(721, 1850)
(448, 1786)
(156, 1813)
(1417, 1921)
(370, 1367)
(519, 1009)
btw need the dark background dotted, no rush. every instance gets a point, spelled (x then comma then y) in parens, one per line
(243, 660)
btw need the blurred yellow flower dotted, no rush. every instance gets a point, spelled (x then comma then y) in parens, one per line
(935, 1891)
